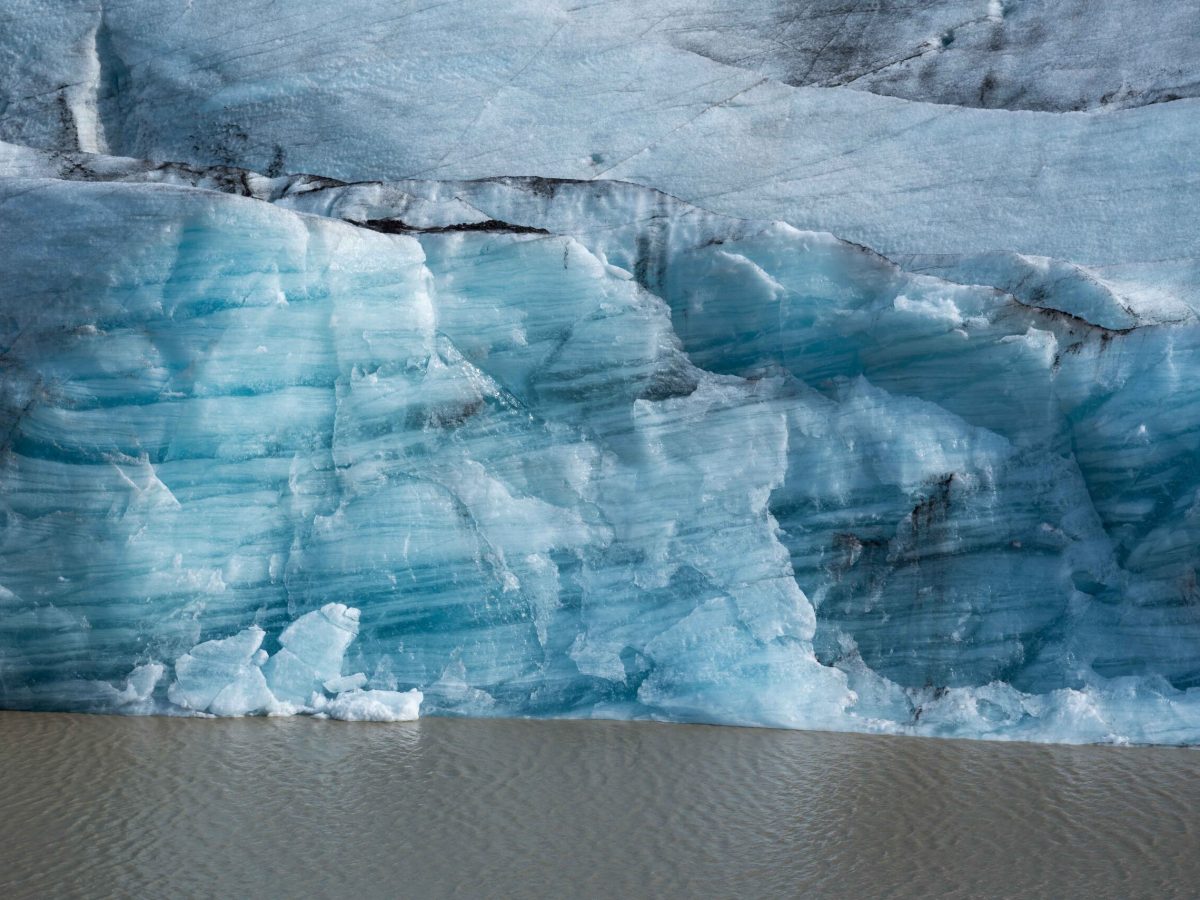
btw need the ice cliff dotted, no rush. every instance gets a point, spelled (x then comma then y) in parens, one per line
(549, 392)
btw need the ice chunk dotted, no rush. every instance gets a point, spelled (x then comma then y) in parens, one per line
(140, 685)
(311, 654)
(222, 676)
(373, 706)
(345, 683)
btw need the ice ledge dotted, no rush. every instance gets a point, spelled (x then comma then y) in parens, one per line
(627, 224)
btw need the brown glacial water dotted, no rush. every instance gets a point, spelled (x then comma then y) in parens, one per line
(98, 806)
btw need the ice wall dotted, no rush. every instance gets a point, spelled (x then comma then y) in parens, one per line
(500, 434)
(751, 485)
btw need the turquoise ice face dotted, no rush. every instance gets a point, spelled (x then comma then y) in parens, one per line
(513, 432)
(260, 460)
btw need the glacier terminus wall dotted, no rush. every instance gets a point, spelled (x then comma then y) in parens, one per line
(793, 364)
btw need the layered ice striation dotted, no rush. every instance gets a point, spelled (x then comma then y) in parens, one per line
(676, 466)
(527, 440)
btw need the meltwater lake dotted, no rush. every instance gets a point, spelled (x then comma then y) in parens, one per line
(98, 806)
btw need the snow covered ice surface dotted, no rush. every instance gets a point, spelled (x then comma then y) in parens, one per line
(556, 386)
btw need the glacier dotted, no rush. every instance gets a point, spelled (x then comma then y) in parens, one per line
(615, 360)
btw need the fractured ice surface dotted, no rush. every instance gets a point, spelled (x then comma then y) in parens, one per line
(520, 445)
(705, 469)
(234, 677)
(623, 90)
